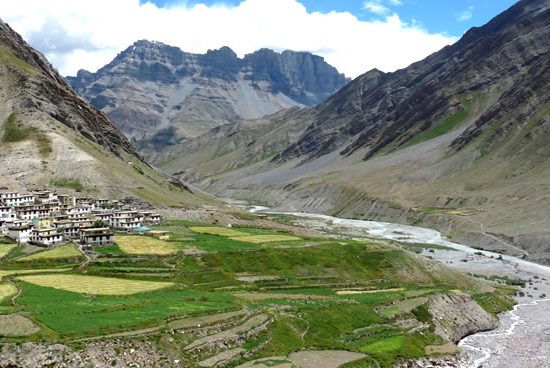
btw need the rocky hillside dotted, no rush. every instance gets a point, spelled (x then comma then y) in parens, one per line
(381, 112)
(159, 95)
(459, 141)
(50, 137)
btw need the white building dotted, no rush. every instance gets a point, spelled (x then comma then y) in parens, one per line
(96, 236)
(21, 233)
(7, 212)
(45, 196)
(46, 237)
(18, 200)
(31, 212)
(150, 218)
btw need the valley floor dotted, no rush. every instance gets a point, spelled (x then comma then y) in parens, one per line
(271, 290)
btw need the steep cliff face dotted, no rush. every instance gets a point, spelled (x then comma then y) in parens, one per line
(50, 137)
(432, 95)
(159, 95)
(37, 85)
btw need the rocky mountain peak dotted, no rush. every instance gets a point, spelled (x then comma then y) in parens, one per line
(196, 92)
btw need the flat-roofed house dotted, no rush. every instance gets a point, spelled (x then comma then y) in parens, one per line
(67, 200)
(126, 220)
(150, 218)
(103, 216)
(7, 212)
(45, 196)
(46, 237)
(45, 222)
(20, 232)
(127, 223)
(71, 228)
(15, 199)
(78, 210)
(96, 236)
(32, 212)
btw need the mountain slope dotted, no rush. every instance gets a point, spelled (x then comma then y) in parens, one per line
(50, 137)
(159, 95)
(459, 141)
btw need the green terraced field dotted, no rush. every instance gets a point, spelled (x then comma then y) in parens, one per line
(312, 293)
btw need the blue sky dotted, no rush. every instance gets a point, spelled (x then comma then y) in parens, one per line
(451, 17)
(352, 35)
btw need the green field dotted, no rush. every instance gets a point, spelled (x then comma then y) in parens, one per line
(62, 252)
(75, 314)
(5, 249)
(311, 293)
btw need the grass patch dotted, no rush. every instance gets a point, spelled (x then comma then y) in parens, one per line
(214, 243)
(95, 285)
(259, 239)
(109, 249)
(15, 131)
(62, 252)
(144, 245)
(495, 302)
(216, 230)
(5, 249)
(5, 273)
(71, 183)
(75, 314)
(443, 127)
(9, 59)
(385, 345)
(7, 290)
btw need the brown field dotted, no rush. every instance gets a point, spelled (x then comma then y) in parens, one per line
(13, 325)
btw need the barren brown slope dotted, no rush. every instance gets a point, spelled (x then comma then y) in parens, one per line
(459, 141)
(49, 137)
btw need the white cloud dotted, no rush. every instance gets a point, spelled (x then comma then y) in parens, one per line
(379, 7)
(89, 34)
(376, 7)
(465, 14)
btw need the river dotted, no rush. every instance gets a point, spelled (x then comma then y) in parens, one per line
(523, 336)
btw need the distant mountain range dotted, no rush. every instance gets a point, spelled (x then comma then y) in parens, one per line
(459, 141)
(159, 95)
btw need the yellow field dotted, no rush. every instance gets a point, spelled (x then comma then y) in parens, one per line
(5, 249)
(217, 230)
(95, 285)
(259, 239)
(4, 273)
(65, 251)
(7, 290)
(144, 245)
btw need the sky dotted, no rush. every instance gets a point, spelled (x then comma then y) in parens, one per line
(352, 35)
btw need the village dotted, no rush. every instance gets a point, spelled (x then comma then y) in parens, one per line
(45, 218)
